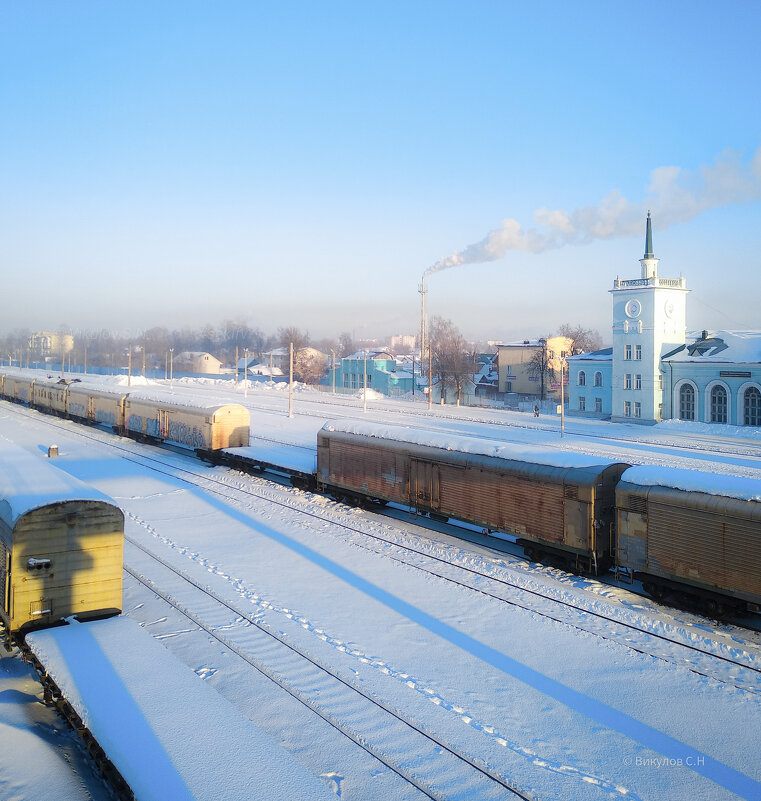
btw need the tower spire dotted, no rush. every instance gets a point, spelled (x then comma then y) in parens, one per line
(648, 261)
(649, 239)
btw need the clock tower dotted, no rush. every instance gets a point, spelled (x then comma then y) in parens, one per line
(649, 319)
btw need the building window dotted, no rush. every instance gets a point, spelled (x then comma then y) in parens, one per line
(627, 409)
(627, 352)
(509, 386)
(582, 404)
(686, 402)
(752, 407)
(660, 381)
(598, 405)
(718, 404)
(582, 378)
(627, 380)
(598, 379)
(638, 352)
(637, 381)
(637, 409)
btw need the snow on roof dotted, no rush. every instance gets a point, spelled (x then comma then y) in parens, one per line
(735, 347)
(746, 489)
(534, 454)
(370, 354)
(169, 733)
(603, 355)
(264, 369)
(30, 481)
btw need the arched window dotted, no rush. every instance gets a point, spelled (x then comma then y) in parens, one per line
(686, 402)
(718, 404)
(582, 378)
(752, 407)
(598, 379)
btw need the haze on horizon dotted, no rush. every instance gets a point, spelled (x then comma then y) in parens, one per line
(306, 165)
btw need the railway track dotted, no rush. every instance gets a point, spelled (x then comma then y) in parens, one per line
(513, 591)
(435, 768)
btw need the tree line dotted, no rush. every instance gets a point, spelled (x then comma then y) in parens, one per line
(453, 359)
(104, 348)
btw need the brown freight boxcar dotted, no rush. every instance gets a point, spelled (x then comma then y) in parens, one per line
(682, 530)
(560, 505)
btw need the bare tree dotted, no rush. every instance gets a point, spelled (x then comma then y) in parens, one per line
(540, 368)
(299, 338)
(346, 344)
(583, 340)
(452, 363)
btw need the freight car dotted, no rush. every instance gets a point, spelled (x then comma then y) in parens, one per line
(686, 533)
(560, 505)
(61, 545)
(680, 537)
(204, 428)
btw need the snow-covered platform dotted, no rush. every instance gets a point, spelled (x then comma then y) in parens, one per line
(169, 734)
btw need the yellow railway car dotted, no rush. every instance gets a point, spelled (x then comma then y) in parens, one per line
(204, 428)
(61, 545)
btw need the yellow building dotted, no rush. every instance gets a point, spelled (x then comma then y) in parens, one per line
(520, 366)
(48, 343)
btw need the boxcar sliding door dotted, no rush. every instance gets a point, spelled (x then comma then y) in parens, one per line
(424, 485)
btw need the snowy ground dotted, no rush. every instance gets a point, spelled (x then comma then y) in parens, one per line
(560, 704)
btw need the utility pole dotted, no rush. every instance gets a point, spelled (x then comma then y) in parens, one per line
(364, 387)
(333, 369)
(290, 383)
(430, 377)
(129, 366)
(562, 397)
(245, 373)
(423, 332)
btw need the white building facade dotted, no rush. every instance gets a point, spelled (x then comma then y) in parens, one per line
(651, 374)
(649, 320)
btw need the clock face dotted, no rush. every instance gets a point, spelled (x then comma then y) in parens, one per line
(633, 308)
(669, 308)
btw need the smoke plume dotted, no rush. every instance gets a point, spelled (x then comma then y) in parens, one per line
(675, 195)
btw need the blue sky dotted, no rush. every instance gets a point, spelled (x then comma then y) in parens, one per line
(302, 163)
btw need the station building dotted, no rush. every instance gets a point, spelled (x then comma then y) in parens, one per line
(656, 371)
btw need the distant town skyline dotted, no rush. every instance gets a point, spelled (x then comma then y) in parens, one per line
(305, 164)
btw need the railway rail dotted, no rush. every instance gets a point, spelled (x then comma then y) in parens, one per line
(425, 761)
(579, 616)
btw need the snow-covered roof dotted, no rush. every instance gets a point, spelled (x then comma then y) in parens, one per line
(734, 347)
(475, 445)
(604, 355)
(746, 489)
(145, 690)
(370, 354)
(264, 369)
(29, 481)
(193, 354)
